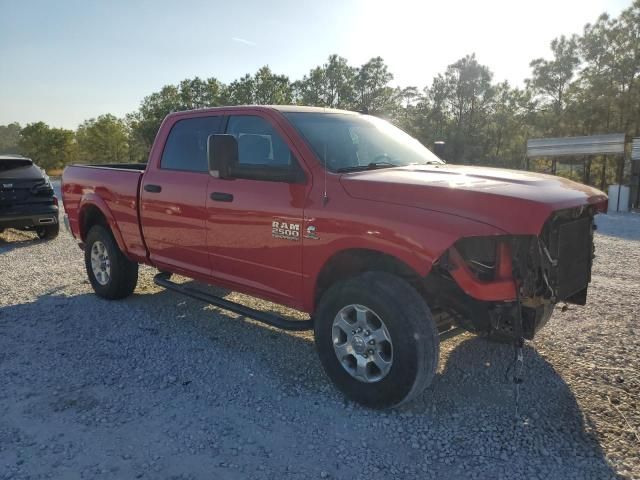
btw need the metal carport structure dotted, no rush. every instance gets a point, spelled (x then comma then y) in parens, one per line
(586, 147)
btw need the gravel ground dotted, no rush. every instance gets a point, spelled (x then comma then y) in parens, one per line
(160, 386)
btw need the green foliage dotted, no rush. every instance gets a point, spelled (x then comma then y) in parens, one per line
(103, 140)
(241, 91)
(551, 78)
(187, 95)
(331, 85)
(9, 138)
(263, 88)
(271, 89)
(373, 93)
(50, 148)
(470, 98)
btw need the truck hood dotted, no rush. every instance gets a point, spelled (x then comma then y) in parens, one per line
(516, 202)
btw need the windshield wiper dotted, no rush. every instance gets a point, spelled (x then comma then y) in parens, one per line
(428, 162)
(369, 166)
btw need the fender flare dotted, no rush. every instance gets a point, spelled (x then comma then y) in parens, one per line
(93, 200)
(420, 265)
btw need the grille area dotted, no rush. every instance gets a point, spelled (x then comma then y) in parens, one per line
(571, 244)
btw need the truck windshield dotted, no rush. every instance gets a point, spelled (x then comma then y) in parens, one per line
(346, 142)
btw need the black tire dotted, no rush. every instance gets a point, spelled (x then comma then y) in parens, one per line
(416, 345)
(123, 276)
(49, 232)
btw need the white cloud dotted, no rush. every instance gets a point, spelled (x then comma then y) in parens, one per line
(244, 41)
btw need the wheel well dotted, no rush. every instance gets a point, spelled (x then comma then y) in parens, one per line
(90, 216)
(352, 262)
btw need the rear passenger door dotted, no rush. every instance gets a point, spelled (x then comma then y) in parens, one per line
(254, 222)
(173, 197)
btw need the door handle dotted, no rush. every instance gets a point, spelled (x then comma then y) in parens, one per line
(152, 188)
(221, 197)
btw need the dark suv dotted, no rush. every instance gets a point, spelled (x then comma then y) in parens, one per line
(27, 201)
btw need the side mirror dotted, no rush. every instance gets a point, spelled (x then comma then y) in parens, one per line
(222, 152)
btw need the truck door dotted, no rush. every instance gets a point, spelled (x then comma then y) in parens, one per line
(173, 198)
(254, 223)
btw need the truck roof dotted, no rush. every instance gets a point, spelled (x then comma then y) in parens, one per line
(303, 108)
(281, 108)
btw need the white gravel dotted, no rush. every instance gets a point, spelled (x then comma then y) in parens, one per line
(160, 386)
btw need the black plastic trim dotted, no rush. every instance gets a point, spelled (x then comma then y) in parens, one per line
(162, 280)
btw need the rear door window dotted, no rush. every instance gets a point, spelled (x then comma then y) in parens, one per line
(186, 147)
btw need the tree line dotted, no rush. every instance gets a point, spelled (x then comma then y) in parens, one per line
(590, 84)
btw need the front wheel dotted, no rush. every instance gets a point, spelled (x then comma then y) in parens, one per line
(376, 339)
(112, 275)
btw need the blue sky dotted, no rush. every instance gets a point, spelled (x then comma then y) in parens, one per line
(65, 61)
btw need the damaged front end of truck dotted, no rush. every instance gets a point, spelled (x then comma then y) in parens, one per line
(506, 287)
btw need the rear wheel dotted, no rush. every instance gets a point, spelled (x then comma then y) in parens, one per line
(48, 232)
(376, 339)
(112, 275)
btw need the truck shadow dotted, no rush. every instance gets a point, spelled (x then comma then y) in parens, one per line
(539, 417)
(473, 387)
(14, 239)
(471, 401)
(224, 328)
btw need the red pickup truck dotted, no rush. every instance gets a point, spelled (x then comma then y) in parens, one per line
(348, 218)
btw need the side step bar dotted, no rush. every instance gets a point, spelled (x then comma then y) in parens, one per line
(450, 333)
(162, 280)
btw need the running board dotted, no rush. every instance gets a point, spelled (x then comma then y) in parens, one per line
(450, 333)
(162, 280)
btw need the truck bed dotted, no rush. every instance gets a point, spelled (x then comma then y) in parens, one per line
(113, 189)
